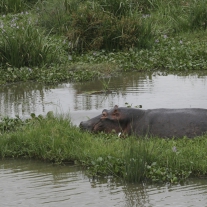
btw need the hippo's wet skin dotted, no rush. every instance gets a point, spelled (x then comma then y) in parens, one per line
(162, 122)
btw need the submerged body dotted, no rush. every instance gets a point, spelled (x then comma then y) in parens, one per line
(161, 122)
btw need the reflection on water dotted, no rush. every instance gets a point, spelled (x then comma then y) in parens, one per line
(32, 183)
(83, 100)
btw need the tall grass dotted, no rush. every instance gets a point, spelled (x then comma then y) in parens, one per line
(117, 25)
(120, 8)
(15, 6)
(136, 156)
(11, 6)
(179, 16)
(198, 15)
(94, 30)
(95, 25)
(22, 44)
(55, 16)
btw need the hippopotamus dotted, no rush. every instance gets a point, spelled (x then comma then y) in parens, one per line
(161, 122)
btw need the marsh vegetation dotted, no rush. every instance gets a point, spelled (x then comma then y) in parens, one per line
(53, 41)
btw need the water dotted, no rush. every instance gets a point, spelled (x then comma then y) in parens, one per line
(32, 183)
(84, 100)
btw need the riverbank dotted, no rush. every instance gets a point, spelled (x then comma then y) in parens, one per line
(54, 139)
(66, 41)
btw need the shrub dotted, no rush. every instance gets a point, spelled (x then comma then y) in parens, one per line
(95, 30)
(94, 25)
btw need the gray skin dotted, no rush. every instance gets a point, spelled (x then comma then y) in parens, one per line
(166, 123)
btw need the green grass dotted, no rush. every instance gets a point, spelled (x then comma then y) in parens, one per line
(23, 44)
(14, 6)
(54, 139)
(55, 41)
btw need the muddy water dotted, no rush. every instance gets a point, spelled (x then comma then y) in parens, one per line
(31, 183)
(83, 100)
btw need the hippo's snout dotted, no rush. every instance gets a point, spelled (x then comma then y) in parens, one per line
(81, 125)
(89, 124)
(86, 125)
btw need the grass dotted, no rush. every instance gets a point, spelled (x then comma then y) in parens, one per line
(169, 53)
(22, 44)
(54, 139)
(14, 6)
(125, 35)
(68, 38)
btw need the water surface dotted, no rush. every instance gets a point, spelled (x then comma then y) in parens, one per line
(31, 183)
(83, 100)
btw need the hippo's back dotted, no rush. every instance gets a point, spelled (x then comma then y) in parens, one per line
(188, 122)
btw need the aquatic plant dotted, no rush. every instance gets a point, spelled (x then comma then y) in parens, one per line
(8, 124)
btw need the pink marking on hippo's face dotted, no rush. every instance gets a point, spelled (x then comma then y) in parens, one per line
(113, 120)
(109, 121)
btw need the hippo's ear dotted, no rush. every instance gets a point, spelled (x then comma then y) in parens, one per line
(116, 107)
(115, 112)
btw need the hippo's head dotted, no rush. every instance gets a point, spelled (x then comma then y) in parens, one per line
(114, 120)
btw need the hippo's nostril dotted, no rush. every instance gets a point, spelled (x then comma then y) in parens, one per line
(81, 125)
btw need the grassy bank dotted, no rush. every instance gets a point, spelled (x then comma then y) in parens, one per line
(54, 139)
(53, 41)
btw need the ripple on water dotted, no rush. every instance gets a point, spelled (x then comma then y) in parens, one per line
(151, 90)
(33, 185)
(30, 183)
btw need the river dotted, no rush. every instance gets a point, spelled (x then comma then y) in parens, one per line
(33, 183)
